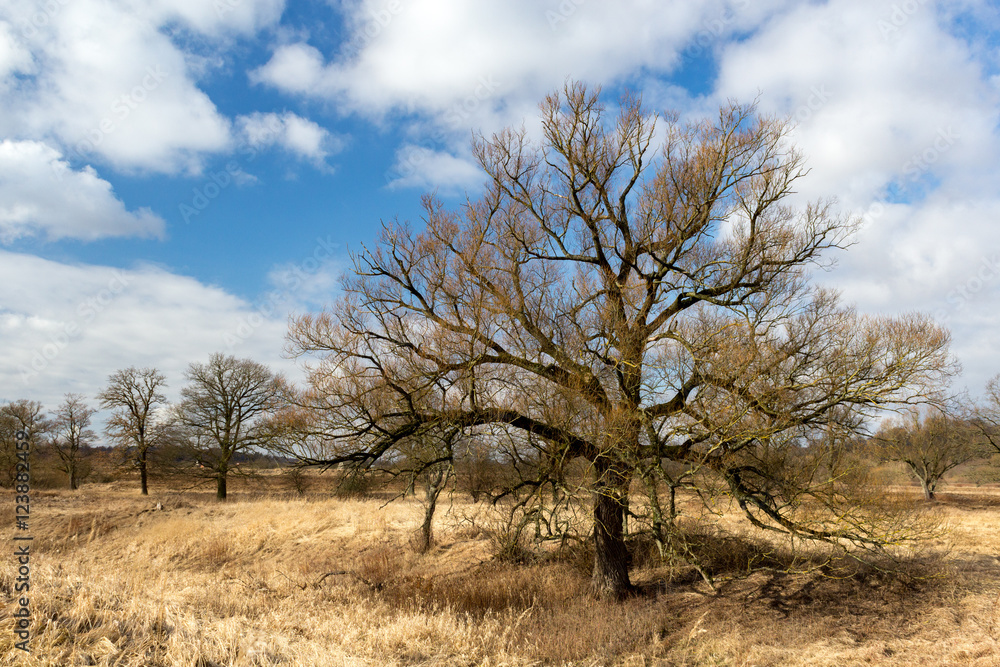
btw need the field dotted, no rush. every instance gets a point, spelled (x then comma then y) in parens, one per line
(322, 580)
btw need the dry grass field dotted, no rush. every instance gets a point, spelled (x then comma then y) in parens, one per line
(322, 581)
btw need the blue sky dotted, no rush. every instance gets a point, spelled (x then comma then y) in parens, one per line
(178, 176)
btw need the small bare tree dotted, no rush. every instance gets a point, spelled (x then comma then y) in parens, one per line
(20, 415)
(133, 394)
(929, 445)
(224, 411)
(984, 417)
(71, 434)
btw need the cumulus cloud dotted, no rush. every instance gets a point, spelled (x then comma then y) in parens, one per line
(297, 135)
(116, 88)
(294, 68)
(426, 169)
(869, 102)
(41, 195)
(485, 65)
(896, 114)
(218, 16)
(66, 327)
(527, 47)
(14, 57)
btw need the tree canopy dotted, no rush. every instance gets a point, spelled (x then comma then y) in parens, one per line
(631, 291)
(224, 411)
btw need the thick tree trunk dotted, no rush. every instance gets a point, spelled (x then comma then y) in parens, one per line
(220, 488)
(72, 478)
(928, 489)
(610, 576)
(143, 475)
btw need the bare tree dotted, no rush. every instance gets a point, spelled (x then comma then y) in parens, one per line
(71, 434)
(224, 412)
(133, 394)
(20, 415)
(984, 416)
(930, 446)
(611, 300)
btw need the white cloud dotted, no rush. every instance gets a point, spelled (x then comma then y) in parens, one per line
(107, 80)
(426, 169)
(486, 64)
(116, 89)
(41, 195)
(438, 69)
(308, 284)
(214, 16)
(67, 327)
(14, 57)
(868, 105)
(295, 134)
(295, 68)
(897, 116)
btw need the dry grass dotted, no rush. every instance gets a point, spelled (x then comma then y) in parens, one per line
(321, 581)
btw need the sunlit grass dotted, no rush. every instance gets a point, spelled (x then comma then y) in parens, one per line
(331, 581)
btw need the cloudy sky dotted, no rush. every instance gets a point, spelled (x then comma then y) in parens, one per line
(177, 176)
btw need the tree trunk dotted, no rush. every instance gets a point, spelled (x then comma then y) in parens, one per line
(143, 476)
(610, 576)
(928, 489)
(72, 478)
(435, 483)
(672, 515)
(220, 488)
(653, 491)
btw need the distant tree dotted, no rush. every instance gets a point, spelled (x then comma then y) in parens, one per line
(132, 395)
(985, 417)
(71, 436)
(621, 294)
(930, 445)
(19, 415)
(224, 411)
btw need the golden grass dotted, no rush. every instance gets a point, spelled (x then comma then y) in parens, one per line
(319, 581)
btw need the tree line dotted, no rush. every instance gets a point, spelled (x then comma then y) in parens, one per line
(221, 417)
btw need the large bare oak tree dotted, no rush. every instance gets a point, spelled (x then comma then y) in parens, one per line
(224, 411)
(627, 290)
